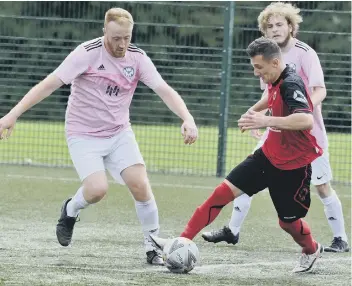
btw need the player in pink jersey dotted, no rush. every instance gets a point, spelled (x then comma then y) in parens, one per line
(104, 73)
(280, 22)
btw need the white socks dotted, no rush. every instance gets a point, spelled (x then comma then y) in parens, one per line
(240, 210)
(76, 204)
(333, 212)
(148, 216)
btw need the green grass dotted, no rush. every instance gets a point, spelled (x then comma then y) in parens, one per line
(161, 146)
(107, 246)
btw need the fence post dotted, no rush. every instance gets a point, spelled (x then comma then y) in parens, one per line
(225, 87)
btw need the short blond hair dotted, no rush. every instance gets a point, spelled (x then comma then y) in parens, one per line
(118, 15)
(286, 10)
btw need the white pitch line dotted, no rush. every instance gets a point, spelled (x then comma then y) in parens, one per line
(110, 181)
(267, 263)
(198, 268)
(66, 179)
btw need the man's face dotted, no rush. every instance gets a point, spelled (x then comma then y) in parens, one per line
(118, 37)
(279, 30)
(267, 70)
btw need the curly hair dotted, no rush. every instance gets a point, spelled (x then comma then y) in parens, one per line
(286, 10)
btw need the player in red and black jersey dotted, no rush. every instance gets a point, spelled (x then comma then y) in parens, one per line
(283, 163)
(289, 145)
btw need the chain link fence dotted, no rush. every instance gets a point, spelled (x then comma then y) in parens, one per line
(196, 50)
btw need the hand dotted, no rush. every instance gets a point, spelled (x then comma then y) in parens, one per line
(7, 123)
(189, 131)
(255, 133)
(252, 120)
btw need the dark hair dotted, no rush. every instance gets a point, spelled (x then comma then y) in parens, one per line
(268, 48)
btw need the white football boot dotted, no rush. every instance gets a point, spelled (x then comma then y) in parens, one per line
(154, 256)
(158, 242)
(306, 261)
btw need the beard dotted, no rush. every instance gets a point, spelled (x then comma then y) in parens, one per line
(113, 51)
(284, 43)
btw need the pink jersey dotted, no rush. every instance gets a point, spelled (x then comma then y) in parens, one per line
(102, 87)
(305, 61)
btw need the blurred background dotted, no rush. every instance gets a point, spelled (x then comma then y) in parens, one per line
(199, 49)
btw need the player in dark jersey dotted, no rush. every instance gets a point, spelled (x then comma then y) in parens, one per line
(283, 163)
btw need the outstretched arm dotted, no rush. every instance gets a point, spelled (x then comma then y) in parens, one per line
(34, 96)
(176, 104)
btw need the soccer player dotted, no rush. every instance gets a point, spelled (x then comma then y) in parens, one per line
(282, 164)
(280, 22)
(104, 73)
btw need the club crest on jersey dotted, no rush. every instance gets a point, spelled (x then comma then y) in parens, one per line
(128, 72)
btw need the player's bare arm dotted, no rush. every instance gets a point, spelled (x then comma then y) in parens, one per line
(34, 96)
(312, 68)
(318, 95)
(176, 104)
(261, 106)
(256, 133)
(255, 120)
(297, 121)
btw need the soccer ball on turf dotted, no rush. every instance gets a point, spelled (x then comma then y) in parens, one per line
(180, 255)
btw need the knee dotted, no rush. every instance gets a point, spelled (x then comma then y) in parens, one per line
(141, 190)
(284, 225)
(95, 191)
(227, 191)
(288, 226)
(324, 190)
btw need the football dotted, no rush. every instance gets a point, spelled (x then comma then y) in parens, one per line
(180, 255)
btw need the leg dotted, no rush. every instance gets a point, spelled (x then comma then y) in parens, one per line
(240, 210)
(87, 157)
(311, 250)
(242, 204)
(238, 181)
(334, 215)
(93, 189)
(290, 194)
(321, 177)
(126, 165)
(230, 234)
(210, 209)
(137, 181)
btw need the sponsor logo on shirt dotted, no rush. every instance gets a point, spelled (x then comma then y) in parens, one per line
(101, 68)
(128, 72)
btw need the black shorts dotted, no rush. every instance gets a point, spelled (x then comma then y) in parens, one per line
(289, 189)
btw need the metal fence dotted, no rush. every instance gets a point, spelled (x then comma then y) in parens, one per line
(199, 48)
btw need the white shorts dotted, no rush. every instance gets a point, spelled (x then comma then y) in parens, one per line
(321, 170)
(90, 155)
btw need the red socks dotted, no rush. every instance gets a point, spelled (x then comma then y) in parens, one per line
(208, 211)
(300, 232)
